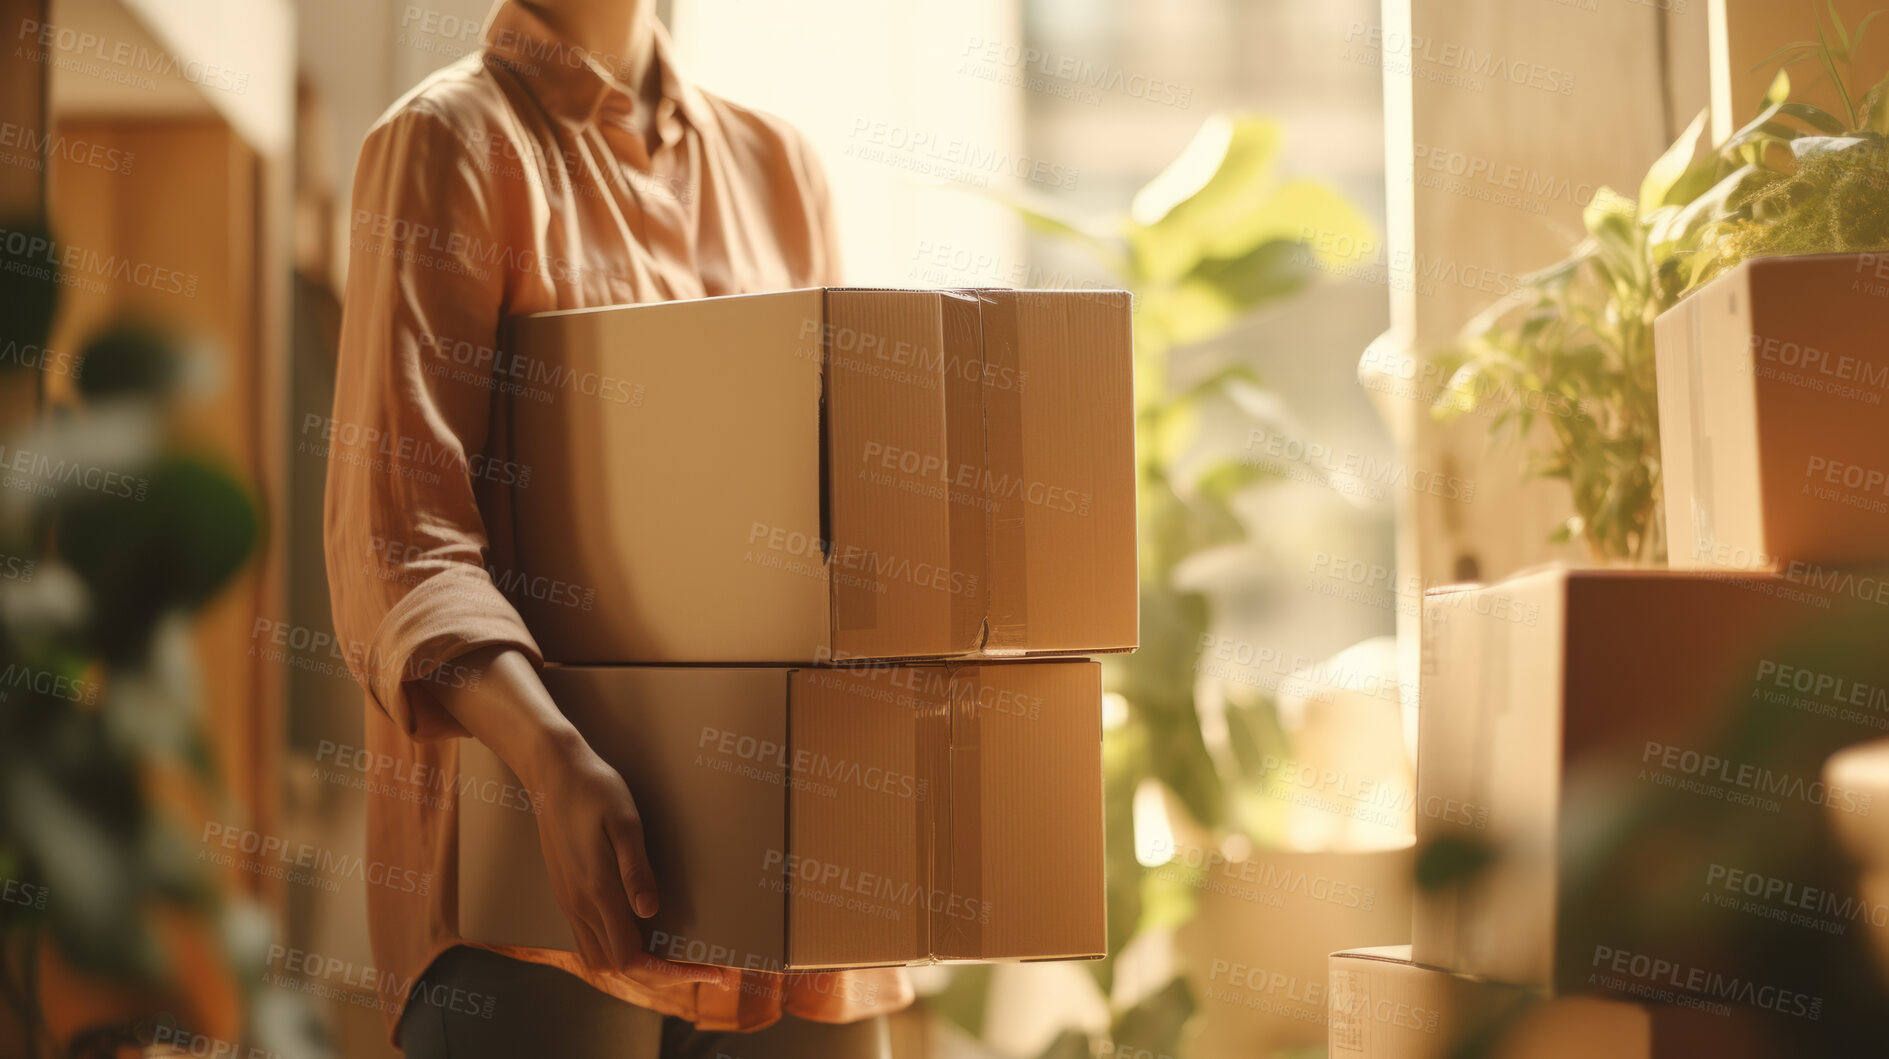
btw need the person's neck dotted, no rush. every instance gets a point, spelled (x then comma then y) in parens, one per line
(619, 34)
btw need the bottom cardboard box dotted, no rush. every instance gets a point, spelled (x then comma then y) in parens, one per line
(1625, 750)
(804, 819)
(1383, 1006)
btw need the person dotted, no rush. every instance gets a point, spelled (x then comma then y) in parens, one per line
(566, 163)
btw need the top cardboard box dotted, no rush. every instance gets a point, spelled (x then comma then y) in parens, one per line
(832, 473)
(1773, 398)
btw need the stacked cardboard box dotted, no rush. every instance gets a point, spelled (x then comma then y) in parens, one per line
(1638, 755)
(834, 551)
(1772, 388)
(828, 818)
(1563, 708)
(871, 474)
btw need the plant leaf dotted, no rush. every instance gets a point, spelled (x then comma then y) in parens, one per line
(1671, 166)
(1843, 35)
(1450, 861)
(1153, 1027)
(1305, 212)
(1044, 220)
(1825, 57)
(1816, 117)
(1270, 271)
(1876, 108)
(1856, 39)
(1780, 89)
(1802, 45)
(1243, 153)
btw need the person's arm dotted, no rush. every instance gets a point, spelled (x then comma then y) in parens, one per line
(438, 647)
(590, 831)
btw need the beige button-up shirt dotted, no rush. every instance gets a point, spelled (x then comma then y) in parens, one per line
(515, 181)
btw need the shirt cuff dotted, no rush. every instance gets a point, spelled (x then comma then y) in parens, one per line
(452, 613)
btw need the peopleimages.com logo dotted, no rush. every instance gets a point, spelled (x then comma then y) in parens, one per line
(806, 766)
(1742, 782)
(868, 892)
(1667, 982)
(1794, 902)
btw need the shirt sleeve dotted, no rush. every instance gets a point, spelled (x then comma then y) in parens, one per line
(405, 543)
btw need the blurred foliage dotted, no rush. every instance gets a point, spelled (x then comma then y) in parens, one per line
(1573, 348)
(1215, 236)
(111, 537)
(1448, 861)
(1636, 857)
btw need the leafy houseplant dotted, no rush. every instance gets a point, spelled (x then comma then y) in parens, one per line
(1579, 334)
(1214, 236)
(111, 933)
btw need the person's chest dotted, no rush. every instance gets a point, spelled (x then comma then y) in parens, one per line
(592, 216)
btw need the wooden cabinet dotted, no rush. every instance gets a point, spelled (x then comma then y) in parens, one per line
(177, 205)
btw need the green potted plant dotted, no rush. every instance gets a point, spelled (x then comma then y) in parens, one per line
(1796, 179)
(1213, 237)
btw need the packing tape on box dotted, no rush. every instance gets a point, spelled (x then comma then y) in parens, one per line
(1005, 486)
(855, 592)
(946, 737)
(932, 735)
(963, 935)
(967, 447)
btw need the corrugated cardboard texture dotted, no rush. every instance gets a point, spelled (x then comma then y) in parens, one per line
(892, 557)
(1764, 372)
(951, 474)
(806, 819)
(1025, 873)
(1383, 1006)
(689, 519)
(1006, 853)
(1059, 411)
(860, 875)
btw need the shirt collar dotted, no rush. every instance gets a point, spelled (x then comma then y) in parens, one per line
(572, 83)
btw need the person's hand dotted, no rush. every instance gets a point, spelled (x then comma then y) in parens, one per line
(588, 825)
(592, 839)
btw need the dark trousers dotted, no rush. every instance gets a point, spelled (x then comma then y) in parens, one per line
(491, 1006)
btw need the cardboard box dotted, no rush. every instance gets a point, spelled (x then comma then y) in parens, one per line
(819, 474)
(1630, 746)
(1384, 1006)
(1773, 391)
(827, 818)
